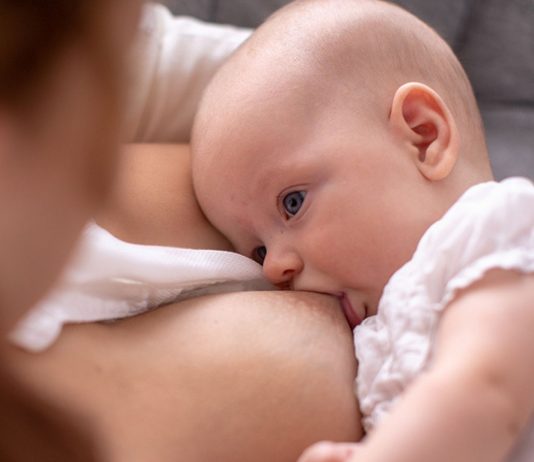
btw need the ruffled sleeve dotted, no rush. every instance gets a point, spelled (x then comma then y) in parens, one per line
(491, 226)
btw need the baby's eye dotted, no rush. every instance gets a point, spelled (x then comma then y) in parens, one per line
(259, 254)
(293, 201)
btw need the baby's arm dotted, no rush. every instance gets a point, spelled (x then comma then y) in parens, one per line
(476, 399)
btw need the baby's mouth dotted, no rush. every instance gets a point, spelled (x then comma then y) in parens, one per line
(353, 319)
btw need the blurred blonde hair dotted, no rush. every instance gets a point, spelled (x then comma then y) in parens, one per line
(33, 34)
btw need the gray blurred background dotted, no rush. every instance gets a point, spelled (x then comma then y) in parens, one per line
(494, 40)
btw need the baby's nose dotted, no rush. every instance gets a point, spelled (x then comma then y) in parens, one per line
(281, 268)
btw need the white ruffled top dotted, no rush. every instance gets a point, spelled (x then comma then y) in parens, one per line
(490, 226)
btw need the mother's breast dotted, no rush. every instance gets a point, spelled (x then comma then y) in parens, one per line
(238, 377)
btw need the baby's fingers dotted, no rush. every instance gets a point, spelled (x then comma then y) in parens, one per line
(329, 452)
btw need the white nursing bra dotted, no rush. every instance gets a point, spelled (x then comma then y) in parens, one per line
(111, 279)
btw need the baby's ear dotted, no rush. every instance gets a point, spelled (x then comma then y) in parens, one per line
(424, 121)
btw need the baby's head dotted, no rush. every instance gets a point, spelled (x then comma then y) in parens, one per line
(332, 140)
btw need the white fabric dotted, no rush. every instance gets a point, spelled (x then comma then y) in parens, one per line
(111, 279)
(173, 60)
(490, 226)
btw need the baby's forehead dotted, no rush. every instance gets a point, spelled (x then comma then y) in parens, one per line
(249, 147)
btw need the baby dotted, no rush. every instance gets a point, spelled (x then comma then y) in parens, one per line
(341, 147)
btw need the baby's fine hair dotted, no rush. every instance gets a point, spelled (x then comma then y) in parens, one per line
(366, 49)
(381, 46)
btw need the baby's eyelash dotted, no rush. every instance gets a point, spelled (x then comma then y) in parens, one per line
(259, 254)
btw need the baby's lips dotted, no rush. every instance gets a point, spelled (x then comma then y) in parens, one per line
(283, 285)
(348, 310)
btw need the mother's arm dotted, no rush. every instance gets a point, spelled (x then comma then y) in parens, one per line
(153, 201)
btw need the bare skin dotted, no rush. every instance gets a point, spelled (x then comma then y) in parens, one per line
(236, 377)
(349, 150)
(153, 201)
(485, 390)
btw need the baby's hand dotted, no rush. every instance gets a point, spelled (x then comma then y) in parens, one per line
(326, 451)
